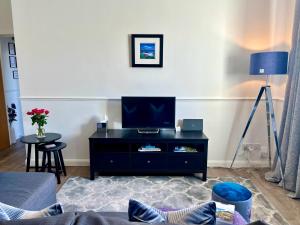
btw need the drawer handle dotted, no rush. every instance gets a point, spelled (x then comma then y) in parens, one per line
(111, 161)
(186, 162)
(148, 161)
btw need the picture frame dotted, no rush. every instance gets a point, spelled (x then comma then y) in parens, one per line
(11, 48)
(13, 62)
(147, 50)
(15, 74)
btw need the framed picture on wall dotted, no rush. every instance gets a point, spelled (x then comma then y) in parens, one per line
(15, 74)
(147, 50)
(11, 48)
(13, 62)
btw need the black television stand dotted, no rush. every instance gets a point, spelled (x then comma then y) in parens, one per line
(147, 131)
(120, 151)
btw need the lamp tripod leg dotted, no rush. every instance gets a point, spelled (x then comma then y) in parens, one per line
(236, 151)
(268, 129)
(269, 99)
(262, 89)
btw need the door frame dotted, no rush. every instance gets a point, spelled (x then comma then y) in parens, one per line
(4, 133)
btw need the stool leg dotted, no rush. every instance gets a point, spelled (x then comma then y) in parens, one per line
(36, 159)
(57, 170)
(49, 161)
(28, 158)
(62, 162)
(44, 162)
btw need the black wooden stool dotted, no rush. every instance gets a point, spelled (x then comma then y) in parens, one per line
(54, 148)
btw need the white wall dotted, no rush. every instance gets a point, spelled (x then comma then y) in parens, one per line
(74, 59)
(6, 24)
(11, 87)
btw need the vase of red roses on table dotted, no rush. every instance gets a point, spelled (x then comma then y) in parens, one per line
(39, 117)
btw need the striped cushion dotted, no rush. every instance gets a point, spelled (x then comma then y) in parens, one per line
(8, 212)
(200, 214)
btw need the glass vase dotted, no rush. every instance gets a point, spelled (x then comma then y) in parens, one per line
(40, 132)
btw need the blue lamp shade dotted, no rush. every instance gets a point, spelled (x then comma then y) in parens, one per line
(268, 63)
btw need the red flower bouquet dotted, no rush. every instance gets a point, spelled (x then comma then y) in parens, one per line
(39, 117)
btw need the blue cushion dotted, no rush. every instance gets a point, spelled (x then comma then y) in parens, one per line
(233, 192)
(138, 211)
(200, 214)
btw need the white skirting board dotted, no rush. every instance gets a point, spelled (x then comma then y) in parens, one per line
(210, 163)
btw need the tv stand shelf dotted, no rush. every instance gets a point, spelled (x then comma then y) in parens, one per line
(117, 151)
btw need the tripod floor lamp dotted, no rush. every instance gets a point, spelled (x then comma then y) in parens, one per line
(266, 63)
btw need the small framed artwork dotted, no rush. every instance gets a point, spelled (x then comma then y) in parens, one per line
(15, 74)
(147, 50)
(11, 48)
(13, 62)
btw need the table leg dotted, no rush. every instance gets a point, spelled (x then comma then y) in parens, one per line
(28, 157)
(36, 159)
(92, 174)
(204, 177)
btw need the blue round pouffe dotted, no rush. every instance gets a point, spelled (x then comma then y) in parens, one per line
(234, 194)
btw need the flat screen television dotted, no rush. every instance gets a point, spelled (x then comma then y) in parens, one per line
(148, 112)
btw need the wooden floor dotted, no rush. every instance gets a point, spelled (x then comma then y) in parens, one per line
(13, 159)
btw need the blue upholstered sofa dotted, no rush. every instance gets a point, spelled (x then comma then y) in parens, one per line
(31, 191)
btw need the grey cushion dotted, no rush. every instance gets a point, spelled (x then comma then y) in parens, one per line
(30, 191)
(121, 215)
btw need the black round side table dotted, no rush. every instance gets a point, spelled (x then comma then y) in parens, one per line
(32, 139)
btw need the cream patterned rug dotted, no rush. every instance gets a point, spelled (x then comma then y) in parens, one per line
(111, 193)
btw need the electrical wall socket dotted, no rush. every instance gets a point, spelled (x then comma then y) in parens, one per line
(253, 147)
(264, 155)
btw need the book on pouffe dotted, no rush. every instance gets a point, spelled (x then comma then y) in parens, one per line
(224, 213)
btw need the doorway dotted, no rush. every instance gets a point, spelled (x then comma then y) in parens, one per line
(11, 113)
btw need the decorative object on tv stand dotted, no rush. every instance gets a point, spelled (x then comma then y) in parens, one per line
(102, 126)
(147, 50)
(12, 114)
(149, 148)
(39, 117)
(266, 63)
(192, 125)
